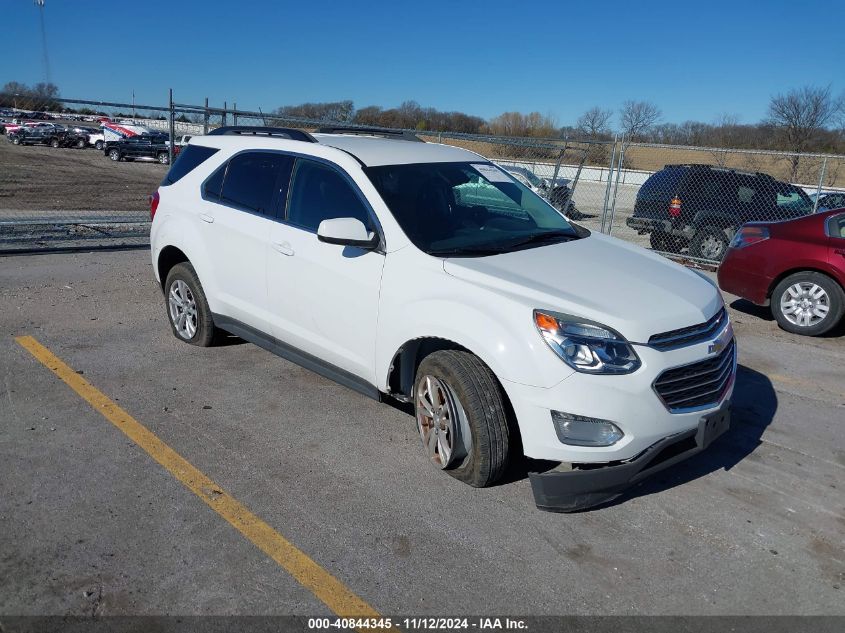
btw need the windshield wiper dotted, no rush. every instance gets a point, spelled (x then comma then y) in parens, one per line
(466, 250)
(503, 247)
(545, 236)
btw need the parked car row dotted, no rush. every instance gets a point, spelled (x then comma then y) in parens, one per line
(143, 145)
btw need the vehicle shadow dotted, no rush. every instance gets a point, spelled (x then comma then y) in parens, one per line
(225, 339)
(752, 309)
(754, 405)
(765, 313)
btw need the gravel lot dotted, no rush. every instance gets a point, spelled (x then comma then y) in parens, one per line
(42, 179)
(92, 525)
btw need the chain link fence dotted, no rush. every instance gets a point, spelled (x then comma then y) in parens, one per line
(685, 202)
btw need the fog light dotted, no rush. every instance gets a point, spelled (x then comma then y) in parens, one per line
(578, 430)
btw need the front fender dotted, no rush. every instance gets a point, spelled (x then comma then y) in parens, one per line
(430, 303)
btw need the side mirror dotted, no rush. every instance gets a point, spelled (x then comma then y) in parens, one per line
(346, 232)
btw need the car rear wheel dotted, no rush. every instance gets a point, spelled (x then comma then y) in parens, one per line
(661, 241)
(461, 417)
(187, 308)
(808, 303)
(16, 141)
(163, 158)
(709, 242)
(98, 146)
(54, 143)
(80, 144)
(114, 154)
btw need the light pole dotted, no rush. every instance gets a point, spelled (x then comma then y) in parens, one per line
(17, 94)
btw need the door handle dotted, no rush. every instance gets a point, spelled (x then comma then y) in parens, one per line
(839, 251)
(283, 247)
(206, 218)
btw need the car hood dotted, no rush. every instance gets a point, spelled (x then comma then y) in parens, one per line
(600, 278)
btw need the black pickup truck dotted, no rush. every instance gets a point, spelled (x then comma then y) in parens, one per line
(143, 146)
(54, 136)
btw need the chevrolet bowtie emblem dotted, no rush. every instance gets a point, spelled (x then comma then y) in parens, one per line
(721, 343)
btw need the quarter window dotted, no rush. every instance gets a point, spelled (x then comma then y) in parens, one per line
(320, 193)
(251, 180)
(188, 159)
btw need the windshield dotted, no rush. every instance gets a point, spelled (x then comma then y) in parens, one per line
(467, 209)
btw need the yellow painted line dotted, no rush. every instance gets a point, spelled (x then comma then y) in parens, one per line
(331, 591)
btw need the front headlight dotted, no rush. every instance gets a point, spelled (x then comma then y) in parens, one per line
(586, 347)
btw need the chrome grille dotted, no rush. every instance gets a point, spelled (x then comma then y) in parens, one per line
(689, 335)
(699, 385)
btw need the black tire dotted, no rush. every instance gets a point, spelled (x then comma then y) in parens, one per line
(16, 141)
(80, 144)
(55, 143)
(205, 330)
(163, 158)
(98, 146)
(114, 155)
(481, 397)
(710, 243)
(662, 241)
(835, 303)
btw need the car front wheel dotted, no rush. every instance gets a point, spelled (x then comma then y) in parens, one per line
(461, 417)
(98, 146)
(808, 303)
(114, 155)
(163, 158)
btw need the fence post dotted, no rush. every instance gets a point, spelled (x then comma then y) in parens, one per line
(205, 118)
(609, 184)
(235, 113)
(819, 188)
(557, 171)
(616, 186)
(172, 129)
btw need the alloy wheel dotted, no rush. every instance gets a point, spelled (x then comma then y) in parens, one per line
(805, 304)
(441, 422)
(183, 309)
(712, 247)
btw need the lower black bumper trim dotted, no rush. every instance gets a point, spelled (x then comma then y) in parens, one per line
(573, 490)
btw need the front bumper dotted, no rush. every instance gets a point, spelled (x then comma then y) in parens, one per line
(572, 490)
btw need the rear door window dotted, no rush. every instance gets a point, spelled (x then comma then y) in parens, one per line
(255, 181)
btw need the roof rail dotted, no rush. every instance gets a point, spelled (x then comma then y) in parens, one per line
(399, 135)
(246, 130)
(733, 170)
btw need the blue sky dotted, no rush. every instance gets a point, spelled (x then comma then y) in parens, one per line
(694, 60)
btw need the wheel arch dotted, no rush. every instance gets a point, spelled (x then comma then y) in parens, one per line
(801, 269)
(407, 359)
(167, 259)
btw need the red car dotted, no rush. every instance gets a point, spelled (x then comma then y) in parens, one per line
(797, 266)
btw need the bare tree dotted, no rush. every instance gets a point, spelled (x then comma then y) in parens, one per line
(800, 115)
(638, 117)
(594, 122)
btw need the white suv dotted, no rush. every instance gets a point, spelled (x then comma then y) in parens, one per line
(510, 329)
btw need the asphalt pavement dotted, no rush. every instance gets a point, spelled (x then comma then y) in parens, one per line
(92, 524)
